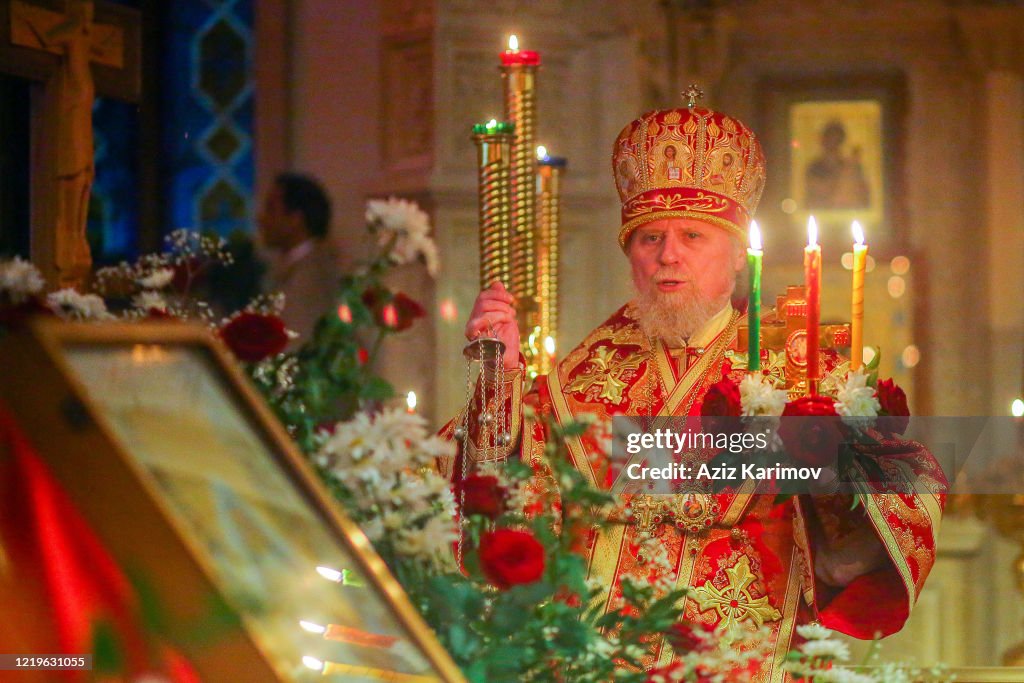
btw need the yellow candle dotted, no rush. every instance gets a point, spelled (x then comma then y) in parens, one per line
(860, 254)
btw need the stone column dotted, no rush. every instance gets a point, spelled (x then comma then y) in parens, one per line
(994, 38)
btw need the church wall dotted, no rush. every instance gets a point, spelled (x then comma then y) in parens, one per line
(917, 41)
(360, 99)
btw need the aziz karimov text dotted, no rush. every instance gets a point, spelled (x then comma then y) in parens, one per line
(680, 472)
(668, 439)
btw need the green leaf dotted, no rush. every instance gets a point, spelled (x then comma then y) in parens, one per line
(107, 652)
(376, 389)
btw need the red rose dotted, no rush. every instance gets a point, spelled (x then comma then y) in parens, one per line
(394, 311)
(510, 557)
(811, 442)
(408, 310)
(687, 637)
(722, 400)
(894, 406)
(253, 336)
(482, 495)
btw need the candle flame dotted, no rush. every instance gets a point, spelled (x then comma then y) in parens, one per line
(542, 152)
(312, 627)
(755, 236)
(410, 400)
(313, 663)
(493, 123)
(549, 345)
(1017, 408)
(812, 232)
(513, 43)
(858, 233)
(330, 574)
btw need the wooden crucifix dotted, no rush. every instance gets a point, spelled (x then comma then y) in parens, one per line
(784, 340)
(76, 50)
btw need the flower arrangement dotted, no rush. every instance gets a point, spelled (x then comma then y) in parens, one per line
(821, 659)
(331, 377)
(521, 607)
(508, 594)
(856, 412)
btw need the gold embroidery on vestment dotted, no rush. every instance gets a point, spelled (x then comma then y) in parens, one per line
(734, 603)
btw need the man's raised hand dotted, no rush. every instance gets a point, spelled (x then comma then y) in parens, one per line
(493, 313)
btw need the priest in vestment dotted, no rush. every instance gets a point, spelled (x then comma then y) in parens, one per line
(747, 561)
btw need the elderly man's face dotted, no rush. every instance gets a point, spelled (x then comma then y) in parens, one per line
(687, 265)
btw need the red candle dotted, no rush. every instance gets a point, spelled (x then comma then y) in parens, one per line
(812, 284)
(513, 56)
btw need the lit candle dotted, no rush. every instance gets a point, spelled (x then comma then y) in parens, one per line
(347, 634)
(754, 257)
(549, 174)
(519, 87)
(410, 402)
(812, 284)
(513, 56)
(549, 348)
(860, 254)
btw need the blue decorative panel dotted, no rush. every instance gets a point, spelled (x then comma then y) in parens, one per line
(208, 114)
(114, 206)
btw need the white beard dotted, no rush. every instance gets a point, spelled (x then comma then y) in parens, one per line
(673, 317)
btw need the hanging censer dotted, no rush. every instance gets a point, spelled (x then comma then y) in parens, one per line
(483, 429)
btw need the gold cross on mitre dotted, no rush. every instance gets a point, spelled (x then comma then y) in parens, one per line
(692, 94)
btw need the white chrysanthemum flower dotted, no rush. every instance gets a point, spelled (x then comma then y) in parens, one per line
(813, 631)
(148, 300)
(373, 528)
(406, 223)
(158, 279)
(19, 280)
(393, 520)
(435, 447)
(447, 502)
(71, 305)
(760, 397)
(835, 650)
(841, 675)
(433, 541)
(855, 398)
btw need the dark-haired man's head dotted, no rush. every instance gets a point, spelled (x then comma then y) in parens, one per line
(295, 209)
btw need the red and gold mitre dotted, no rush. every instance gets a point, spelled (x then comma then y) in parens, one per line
(687, 163)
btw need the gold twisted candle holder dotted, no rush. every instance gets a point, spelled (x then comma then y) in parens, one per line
(519, 83)
(550, 172)
(493, 144)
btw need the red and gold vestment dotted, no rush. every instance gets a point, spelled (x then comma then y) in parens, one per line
(753, 561)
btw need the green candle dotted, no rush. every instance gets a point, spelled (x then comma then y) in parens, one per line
(754, 255)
